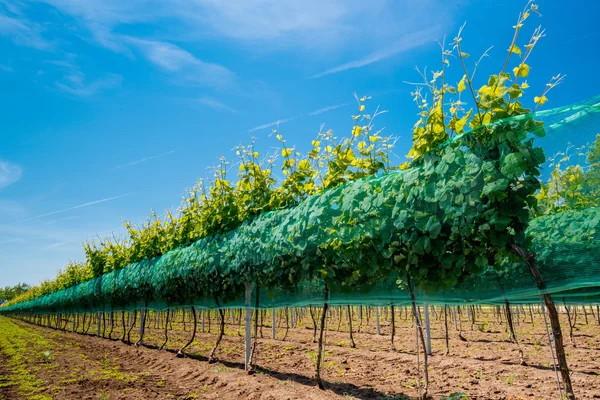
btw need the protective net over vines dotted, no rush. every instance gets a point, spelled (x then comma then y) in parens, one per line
(458, 208)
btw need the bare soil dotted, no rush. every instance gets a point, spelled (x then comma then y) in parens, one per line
(484, 366)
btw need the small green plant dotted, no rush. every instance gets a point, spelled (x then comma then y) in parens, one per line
(510, 379)
(104, 395)
(410, 383)
(457, 396)
(220, 368)
(47, 356)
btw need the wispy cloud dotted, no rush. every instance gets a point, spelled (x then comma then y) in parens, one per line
(328, 108)
(408, 42)
(266, 21)
(9, 173)
(55, 245)
(283, 121)
(189, 69)
(142, 160)
(75, 82)
(215, 104)
(274, 123)
(24, 32)
(77, 85)
(6, 68)
(270, 24)
(91, 203)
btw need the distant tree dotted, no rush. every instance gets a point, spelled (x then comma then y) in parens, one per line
(10, 292)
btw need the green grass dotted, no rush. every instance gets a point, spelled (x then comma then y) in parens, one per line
(19, 347)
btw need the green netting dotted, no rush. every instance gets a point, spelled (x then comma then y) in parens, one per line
(458, 202)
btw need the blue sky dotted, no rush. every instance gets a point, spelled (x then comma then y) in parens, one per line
(110, 108)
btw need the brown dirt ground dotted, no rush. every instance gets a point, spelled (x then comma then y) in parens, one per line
(486, 365)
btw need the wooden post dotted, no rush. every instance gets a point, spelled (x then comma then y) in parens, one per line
(454, 318)
(273, 333)
(248, 332)
(377, 320)
(427, 328)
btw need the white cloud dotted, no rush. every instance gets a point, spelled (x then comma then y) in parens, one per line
(407, 43)
(342, 27)
(141, 160)
(91, 203)
(174, 59)
(215, 104)
(9, 173)
(274, 123)
(55, 245)
(268, 23)
(238, 19)
(283, 121)
(75, 82)
(77, 85)
(274, 19)
(6, 68)
(328, 108)
(23, 32)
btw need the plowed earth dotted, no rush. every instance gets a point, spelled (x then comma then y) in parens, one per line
(43, 363)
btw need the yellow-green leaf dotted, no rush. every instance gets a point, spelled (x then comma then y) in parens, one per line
(521, 71)
(303, 164)
(515, 49)
(540, 100)
(461, 84)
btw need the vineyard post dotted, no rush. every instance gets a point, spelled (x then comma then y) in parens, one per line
(454, 318)
(273, 333)
(202, 313)
(377, 320)
(469, 315)
(99, 323)
(446, 326)
(427, 328)
(247, 338)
